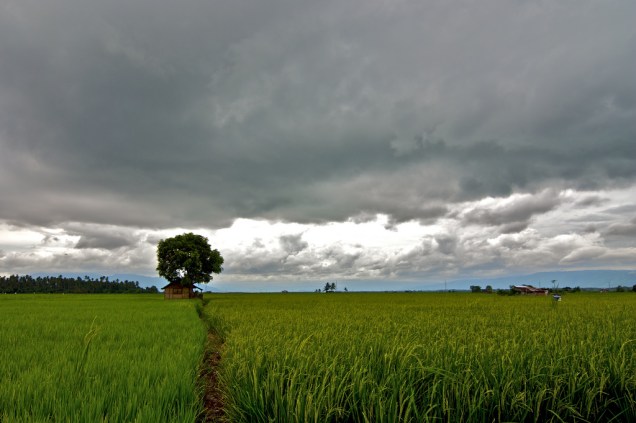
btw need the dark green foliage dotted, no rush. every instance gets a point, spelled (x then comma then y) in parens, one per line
(330, 287)
(187, 259)
(26, 284)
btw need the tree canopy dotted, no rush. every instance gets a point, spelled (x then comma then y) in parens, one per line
(187, 259)
(330, 287)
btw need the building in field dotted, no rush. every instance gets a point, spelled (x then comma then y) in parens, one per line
(176, 291)
(529, 289)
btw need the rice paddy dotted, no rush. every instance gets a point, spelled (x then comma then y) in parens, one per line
(98, 358)
(353, 357)
(427, 357)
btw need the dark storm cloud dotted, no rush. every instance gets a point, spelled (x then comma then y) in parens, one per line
(593, 200)
(514, 227)
(102, 237)
(625, 229)
(292, 244)
(446, 245)
(622, 210)
(104, 242)
(515, 213)
(160, 114)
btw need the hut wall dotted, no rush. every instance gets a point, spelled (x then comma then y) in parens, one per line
(175, 293)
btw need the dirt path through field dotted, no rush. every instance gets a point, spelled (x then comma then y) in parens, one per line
(213, 397)
(209, 374)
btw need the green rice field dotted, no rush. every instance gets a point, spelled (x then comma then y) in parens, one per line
(98, 358)
(344, 357)
(428, 357)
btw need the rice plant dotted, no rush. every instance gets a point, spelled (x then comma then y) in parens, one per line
(91, 358)
(427, 357)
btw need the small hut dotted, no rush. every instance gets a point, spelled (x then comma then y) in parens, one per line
(176, 291)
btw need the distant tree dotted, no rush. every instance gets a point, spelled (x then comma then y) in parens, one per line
(620, 289)
(187, 259)
(346, 290)
(475, 289)
(489, 289)
(330, 287)
(634, 288)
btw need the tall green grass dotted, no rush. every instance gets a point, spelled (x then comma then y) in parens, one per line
(427, 357)
(99, 358)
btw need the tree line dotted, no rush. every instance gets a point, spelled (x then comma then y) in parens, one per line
(26, 284)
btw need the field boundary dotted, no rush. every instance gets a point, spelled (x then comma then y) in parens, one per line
(212, 394)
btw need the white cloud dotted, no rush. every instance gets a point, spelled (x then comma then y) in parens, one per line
(370, 248)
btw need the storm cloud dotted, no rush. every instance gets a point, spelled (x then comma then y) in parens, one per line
(144, 116)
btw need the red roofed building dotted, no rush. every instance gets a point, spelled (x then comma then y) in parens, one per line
(529, 289)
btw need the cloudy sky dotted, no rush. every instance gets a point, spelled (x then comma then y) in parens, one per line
(313, 140)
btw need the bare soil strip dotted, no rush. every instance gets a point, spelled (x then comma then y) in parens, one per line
(213, 396)
(209, 373)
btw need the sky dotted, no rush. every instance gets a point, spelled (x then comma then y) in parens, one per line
(387, 142)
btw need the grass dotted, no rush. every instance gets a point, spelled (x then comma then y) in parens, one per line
(319, 358)
(427, 357)
(99, 358)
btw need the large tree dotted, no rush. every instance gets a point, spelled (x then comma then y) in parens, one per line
(187, 259)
